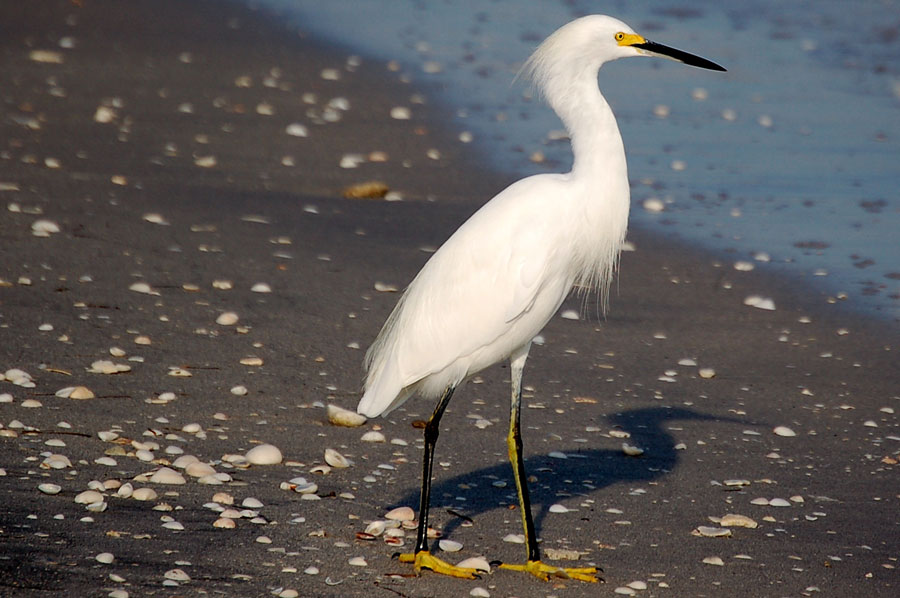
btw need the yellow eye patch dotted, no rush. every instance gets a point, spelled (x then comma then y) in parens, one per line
(629, 39)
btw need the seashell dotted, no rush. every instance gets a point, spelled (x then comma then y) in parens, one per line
(184, 460)
(252, 503)
(631, 450)
(323, 469)
(55, 461)
(784, 431)
(144, 494)
(50, 488)
(126, 490)
(475, 562)
(372, 436)
(401, 514)
(105, 557)
(264, 454)
(376, 528)
(199, 469)
(166, 475)
(366, 190)
(223, 498)
(228, 318)
(364, 536)
(344, 417)
(224, 523)
(358, 561)
(711, 532)
(450, 545)
(335, 459)
(732, 520)
(87, 497)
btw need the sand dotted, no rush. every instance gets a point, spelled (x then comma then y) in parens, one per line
(139, 199)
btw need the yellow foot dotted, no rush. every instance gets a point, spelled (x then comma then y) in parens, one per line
(424, 560)
(545, 572)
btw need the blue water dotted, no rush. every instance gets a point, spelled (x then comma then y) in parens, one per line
(805, 167)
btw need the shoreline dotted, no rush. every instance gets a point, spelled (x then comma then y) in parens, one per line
(223, 227)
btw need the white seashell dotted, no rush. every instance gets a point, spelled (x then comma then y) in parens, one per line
(44, 228)
(760, 302)
(514, 538)
(264, 454)
(173, 525)
(144, 494)
(228, 318)
(96, 507)
(261, 287)
(126, 490)
(335, 459)
(732, 520)
(185, 460)
(105, 558)
(142, 287)
(372, 436)
(358, 561)
(401, 514)
(167, 475)
(401, 113)
(224, 523)
(450, 545)
(558, 508)
(784, 431)
(177, 575)
(631, 450)
(252, 503)
(779, 502)
(107, 435)
(344, 417)
(376, 528)
(223, 498)
(56, 462)
(199, 469)
(50, 488)
(108, 461)
(296, 130)
(479, 592)
(760, 501)
(104, 366)
(712, 532)
(475, 562)
(323, 469)
(714, 560)
(707, 373)
(87, 497)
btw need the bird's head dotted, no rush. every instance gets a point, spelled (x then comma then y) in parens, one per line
(582, 46)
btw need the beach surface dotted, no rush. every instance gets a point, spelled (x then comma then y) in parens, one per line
(172, 178)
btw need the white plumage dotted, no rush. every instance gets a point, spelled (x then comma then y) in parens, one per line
(502, 275)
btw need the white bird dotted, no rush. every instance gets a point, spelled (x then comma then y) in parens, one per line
(495, 283)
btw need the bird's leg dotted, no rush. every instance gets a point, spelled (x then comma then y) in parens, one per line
(422, 558)
(514, 446)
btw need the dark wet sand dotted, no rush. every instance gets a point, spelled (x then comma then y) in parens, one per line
(322, 255)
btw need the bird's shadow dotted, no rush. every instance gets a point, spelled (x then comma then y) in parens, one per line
(581, 472)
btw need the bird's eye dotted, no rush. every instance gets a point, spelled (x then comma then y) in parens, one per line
(620, 36)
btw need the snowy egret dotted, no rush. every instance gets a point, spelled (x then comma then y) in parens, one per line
(495, 283)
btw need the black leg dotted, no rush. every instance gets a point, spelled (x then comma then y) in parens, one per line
(431, 436)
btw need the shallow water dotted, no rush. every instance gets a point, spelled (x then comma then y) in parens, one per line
(794, 153)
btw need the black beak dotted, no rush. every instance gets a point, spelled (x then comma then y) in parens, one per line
(686, 58)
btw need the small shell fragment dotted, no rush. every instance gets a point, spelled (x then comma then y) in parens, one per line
(631, 450)
(339, 416)
(707, 531)
(366, 190)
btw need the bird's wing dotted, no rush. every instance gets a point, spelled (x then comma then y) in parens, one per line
(472, 291)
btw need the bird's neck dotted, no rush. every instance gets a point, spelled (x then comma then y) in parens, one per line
(596, 141)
